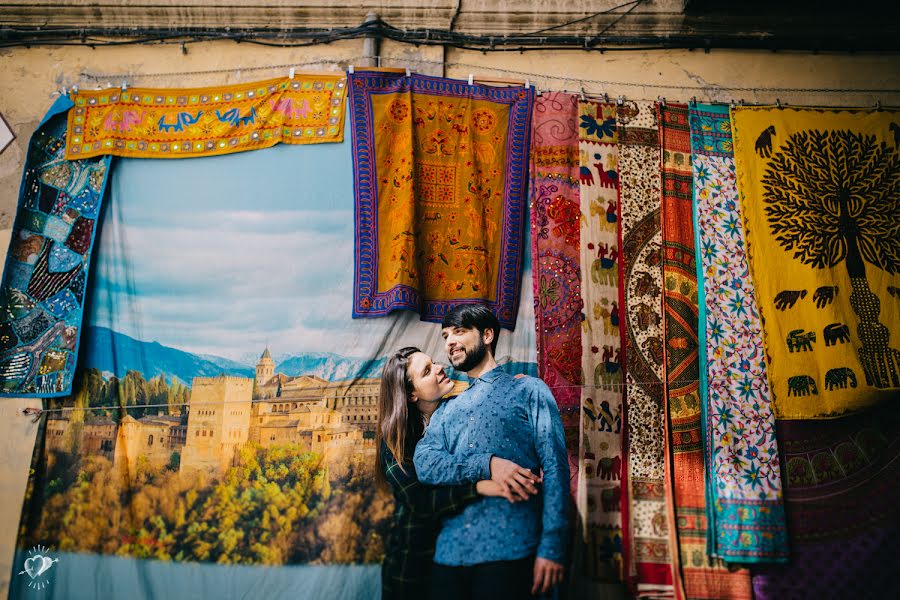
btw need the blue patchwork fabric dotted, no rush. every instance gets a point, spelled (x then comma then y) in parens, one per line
(43, 284)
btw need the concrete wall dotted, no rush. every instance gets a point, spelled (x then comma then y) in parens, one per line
(29, 79)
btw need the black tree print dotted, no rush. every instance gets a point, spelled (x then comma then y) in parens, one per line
(834, 196)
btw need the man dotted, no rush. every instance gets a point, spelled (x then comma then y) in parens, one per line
(496, 549)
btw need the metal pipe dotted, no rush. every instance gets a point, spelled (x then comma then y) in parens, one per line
(371, 43)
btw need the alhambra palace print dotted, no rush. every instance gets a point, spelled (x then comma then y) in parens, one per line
(328, 418)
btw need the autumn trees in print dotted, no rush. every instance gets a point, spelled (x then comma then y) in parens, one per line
(831, 198)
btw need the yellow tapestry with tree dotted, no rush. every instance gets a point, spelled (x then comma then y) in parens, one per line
(820, 194)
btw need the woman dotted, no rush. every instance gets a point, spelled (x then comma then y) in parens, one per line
(411, 390)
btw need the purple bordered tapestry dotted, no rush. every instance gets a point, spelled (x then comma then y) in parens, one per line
(440, 173)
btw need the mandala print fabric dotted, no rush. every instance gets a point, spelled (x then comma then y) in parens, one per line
(601, 344)
(842, 480)
(555, 234)
(646, 548)
(47, 266)
(698, 576)
(439, 182)
(744, 504)
(820, 193)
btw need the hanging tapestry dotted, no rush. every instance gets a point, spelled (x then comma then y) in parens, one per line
(439, 182)
(744, 506)
(47, 264)
(820, 192)
(646, 546)
(220, 439)
(601, 343)
(842, 481)
(555, 231)
(699, 576)
(187, 123)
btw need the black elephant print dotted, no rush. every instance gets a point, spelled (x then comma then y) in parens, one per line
(834, 333)
(839, 378)
(799, 340)
(802, 385)
(825, 295)
(788, 298)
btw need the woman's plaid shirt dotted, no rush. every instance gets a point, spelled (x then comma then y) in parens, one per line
(419, 511)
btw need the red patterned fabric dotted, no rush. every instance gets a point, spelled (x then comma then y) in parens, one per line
(696, 576)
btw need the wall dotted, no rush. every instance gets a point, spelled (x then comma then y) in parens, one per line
(30, 78)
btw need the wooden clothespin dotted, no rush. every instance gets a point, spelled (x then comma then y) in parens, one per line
(471, 79)
(291, 73)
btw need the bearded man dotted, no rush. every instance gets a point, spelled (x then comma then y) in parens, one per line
(494, 548)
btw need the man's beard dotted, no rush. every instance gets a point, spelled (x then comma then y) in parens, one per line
(471, 358)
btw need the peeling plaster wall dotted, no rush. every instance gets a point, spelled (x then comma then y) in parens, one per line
(30, 78)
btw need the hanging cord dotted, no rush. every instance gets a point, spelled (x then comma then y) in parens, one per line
(618, 386)
(605, 84)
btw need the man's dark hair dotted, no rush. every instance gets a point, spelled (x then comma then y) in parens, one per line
(478, 316)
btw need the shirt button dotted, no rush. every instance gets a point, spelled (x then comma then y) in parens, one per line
(471, 445)
(471, 418)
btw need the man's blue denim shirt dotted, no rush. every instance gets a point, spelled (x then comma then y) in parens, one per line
(511, 418)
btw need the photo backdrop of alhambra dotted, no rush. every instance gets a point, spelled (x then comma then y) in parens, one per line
(271, 466)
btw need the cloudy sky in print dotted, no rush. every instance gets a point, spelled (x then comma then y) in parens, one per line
(224, 255)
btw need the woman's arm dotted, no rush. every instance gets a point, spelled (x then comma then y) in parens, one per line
(422, 499)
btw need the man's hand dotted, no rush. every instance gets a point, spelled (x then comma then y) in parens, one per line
(546, 574)
(515, 481)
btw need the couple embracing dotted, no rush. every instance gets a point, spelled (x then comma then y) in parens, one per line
(484, 474)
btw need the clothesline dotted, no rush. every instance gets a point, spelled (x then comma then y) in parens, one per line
(607, 387)
(530, 76)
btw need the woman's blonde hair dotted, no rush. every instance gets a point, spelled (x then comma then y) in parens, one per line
(400, 424)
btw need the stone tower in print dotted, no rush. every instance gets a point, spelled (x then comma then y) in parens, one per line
(218, 422)
(265, 368)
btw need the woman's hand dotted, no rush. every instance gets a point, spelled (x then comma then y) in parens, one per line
(486, 487)
(515, 481)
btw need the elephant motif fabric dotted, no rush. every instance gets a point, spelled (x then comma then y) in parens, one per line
(43, 288)
(648, 560)
(820, 193)
(744, 504)
(695, 573)
(599, 498)
(440, 180)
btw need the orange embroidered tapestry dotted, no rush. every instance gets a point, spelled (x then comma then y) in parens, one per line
(439, 180)
(188, 123)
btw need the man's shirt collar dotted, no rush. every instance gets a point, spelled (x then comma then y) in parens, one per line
(489, 377)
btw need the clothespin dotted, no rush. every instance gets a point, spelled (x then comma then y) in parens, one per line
(878, 105)
(731, 103)
(64, 90)
(538, 92)
(33, 411)
(741, 102)
(606, 97)
(124, 85)
(74, 89)
(408, 74)
(777, 103)
(291, 73)
(620, 100)
(583, 98)
(472, 79)
(661, 100)
(350, 69)
(693, 100)
(527, 83)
